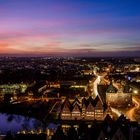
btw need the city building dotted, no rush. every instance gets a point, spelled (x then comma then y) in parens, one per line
(118, 96)
(86, 109)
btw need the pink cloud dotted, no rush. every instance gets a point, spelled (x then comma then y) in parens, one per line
(84, 45)
(4, 48)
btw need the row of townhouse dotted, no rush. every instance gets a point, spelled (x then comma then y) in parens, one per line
(86, 109)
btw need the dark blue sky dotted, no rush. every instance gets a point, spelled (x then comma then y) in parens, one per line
(70, 27)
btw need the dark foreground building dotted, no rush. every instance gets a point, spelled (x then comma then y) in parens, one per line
(121, 129)
(9, 136)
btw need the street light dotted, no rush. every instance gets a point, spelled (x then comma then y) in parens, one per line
(135, 91)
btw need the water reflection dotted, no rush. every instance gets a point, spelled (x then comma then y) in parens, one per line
(15, 123)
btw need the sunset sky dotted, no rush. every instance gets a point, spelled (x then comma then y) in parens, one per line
(70, 27)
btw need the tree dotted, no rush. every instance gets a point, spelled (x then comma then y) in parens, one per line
(7, 98)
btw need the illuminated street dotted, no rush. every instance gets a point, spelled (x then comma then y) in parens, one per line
(132, 112)
(69, 70)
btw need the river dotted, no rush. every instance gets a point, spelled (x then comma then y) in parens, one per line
(15, 123)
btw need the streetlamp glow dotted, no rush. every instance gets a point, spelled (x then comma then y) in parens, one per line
(135, 91)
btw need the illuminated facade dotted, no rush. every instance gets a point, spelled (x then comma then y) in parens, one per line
(121, 97)
(87, 109)
(65, 110)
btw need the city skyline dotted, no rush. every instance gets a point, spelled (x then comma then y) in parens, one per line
(70, 27)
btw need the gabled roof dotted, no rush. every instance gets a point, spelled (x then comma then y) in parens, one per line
(109, 129)
(90, 100)
(84, 102)
(108, 119)
(76, 107)
(76, 101)
(98, 102)
(111, 89)
(90, 108)
(120, 133)
(66, 105)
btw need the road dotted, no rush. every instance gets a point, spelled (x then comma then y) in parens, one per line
(96, 83)
(131, 113)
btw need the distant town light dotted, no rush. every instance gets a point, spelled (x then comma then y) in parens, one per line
(135, 91)
(107, 69)
(137, 69)
(129, 78)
